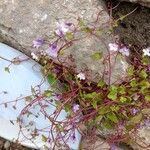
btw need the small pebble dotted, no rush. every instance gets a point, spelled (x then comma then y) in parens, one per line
(6, 145)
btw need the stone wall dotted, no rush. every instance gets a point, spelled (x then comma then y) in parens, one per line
(24, 21)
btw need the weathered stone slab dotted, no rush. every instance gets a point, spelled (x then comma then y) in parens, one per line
(94, 143)
(24, 21)
(145, 3)
(141, 140)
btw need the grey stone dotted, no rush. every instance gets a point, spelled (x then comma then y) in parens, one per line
(24, 21)
(145, 3)
(94, 143)
(97, 143)
(141, 139)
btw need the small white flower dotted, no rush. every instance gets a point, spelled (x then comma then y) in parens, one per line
(76, 108)
(81, 76)
(34, 56)
(124, 51)
(146, 51)
(113, 47)
(43, 53)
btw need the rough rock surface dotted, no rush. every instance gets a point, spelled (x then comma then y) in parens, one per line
(141, 140)
(97, 143)
(94, 143)
(6, 145)
(23, 21)
(136, 25)
(142, 2)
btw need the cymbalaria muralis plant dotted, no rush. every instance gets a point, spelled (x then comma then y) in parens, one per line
(121, 108)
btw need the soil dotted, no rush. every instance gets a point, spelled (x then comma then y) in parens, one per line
(12, 146)
(134, 30)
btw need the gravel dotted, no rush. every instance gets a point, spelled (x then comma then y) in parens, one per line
(7, 145)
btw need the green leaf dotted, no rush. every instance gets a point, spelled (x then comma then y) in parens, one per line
(112, 96)
(103, 110)
(136, 119)
(67, 108)
(130, 71)
(81, 23)
(51, 78)
(87, 29)
(98, 118)
(106, 124)
(143, 74)
(44, 138)
(69, 36)
(144, 91)
(94, 104)
(47, 93)
(122, 89)
(147, 98)
(7, 69)
(90, 95)
(61, 52)
(129, 127)
(145, 83)
(146, 60)
(97, 56)
(33, 90)
(133, 83)
(113, 88)
(115, 108)
(101, 83)
(123, 99)
(113, 117)
(65, 88)
(28, 98)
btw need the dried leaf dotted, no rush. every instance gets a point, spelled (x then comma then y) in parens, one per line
(146, 111)
(136, 119)
(7, 69)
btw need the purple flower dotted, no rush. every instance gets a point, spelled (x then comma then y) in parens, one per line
(56, 70)
(147, 123)
(37, 43)
(121, 125)
(58, 97)
(62, 28)
(115, 47)
(124, 51)
(52, 51)
(135, 111)
(72, 136)
(114, 147)
(75, 108)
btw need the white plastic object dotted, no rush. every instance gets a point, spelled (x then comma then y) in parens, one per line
(16, 83)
